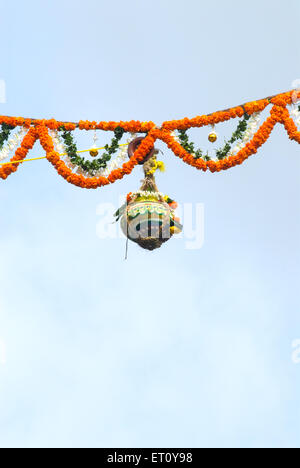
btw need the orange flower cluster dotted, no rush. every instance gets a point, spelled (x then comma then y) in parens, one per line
(15, 121)
(217, 117)
(132, 126)
(38, 129)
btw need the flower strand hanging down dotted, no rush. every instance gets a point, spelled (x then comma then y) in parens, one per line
(295, 113)
(12, 143)
(57, 141)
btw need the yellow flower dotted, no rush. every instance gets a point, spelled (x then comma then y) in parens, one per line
(161, 166)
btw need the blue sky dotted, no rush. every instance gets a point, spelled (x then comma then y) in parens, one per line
(177, 348)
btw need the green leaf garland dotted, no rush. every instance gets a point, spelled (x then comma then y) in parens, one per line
(5, 133)
(91, 166)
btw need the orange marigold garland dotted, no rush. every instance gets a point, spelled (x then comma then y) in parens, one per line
(38, 129)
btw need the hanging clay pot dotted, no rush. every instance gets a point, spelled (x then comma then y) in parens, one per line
(148, 219)
(133, 146)
(148, 223)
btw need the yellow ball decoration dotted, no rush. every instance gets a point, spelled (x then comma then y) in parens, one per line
(94, 153)
(212, 137)
(175, 230)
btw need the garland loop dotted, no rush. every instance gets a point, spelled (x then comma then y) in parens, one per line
(91, 166)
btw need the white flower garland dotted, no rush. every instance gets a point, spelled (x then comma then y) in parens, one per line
(175, 136)
(295, 113)
(57, 141)
(252, 127)
(12, 143)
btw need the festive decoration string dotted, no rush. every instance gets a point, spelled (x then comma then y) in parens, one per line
(12, 143)
(251, 140)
